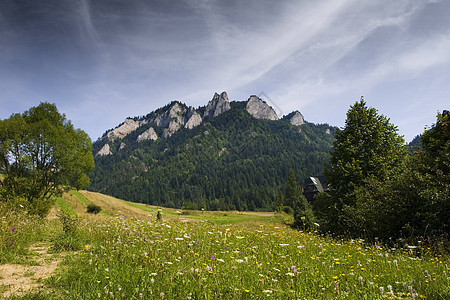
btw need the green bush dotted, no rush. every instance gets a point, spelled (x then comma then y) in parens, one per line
(93, 209)
(287, 209)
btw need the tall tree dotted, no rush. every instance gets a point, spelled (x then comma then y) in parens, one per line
(369, 146)
(292, 191)
(425, 186)
(41, 155)
(303, 214)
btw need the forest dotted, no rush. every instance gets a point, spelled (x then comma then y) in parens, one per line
(230, 162)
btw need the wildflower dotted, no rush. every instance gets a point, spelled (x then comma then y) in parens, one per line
(335, 277)
(12, 243)
(13, 229)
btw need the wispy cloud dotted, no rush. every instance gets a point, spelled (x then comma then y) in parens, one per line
(130, 57)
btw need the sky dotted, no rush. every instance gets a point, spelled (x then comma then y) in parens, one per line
(101, 61)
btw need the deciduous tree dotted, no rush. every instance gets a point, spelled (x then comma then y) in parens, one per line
(41, 155)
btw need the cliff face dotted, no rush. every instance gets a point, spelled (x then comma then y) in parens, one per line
(126, 128)
(297, 119)
(149, 134)
(217, 105)
(193, 119)
(260, 109)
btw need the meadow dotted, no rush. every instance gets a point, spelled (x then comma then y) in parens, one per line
(206, 255)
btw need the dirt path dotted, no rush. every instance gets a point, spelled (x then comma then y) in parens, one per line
(16, 280)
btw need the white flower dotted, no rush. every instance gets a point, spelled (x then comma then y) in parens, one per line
(290, 274)
(239, 237)
(239, 260)
(284, 245)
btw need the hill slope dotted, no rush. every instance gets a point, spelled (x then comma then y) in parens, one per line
(235, 157)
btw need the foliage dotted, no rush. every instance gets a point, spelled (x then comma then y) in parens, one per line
(230, 162)
(424, 188)
(17, 232)
(41, 154)
(367, 148)
(93, 209)
(302, 210)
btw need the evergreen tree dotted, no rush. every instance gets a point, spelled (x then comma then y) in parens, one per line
(303, 214)
(292, 192)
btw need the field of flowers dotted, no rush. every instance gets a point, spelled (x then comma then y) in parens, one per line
(151, 259)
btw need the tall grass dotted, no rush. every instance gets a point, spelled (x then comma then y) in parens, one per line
(174, 258)
(18, 231)
(137, 259)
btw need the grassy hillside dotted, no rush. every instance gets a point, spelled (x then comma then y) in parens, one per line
(127, 253)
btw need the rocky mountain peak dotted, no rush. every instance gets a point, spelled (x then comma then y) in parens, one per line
(192, 118)
(297, 119)
(260, 109)
(149, 134)
(105, 150)
(217, 105)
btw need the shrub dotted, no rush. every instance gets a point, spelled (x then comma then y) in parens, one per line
(288, 210)
(93, 209)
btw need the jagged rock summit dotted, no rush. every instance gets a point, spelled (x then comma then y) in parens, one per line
(297, 119)
(166, 121)
(217, 105)
(260, 109)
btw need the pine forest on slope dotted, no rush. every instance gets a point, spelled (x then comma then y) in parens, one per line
(223, 156)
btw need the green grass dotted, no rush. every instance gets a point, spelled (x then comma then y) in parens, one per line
(254, 256)
(86, 202)
(218, 218)
(64, 207)
(148, 259)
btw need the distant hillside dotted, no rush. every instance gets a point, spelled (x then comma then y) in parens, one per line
(223, 156)
(415, 143)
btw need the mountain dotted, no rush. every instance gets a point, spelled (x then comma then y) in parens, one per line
(222, 156)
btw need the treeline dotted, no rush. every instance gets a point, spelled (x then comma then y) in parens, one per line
(231, 162)
(379, 189)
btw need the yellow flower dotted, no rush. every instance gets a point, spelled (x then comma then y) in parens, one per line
(335, 277)
(247, 291)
